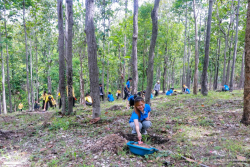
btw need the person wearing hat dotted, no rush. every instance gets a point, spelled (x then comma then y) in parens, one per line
(157, 88)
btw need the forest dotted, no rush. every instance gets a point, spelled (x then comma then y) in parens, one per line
(77, 50)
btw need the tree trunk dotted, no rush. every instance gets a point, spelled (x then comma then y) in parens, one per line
(92, 57)
(0, 105)
(134, 48)
(235, 49)
(173, 73)
(27, 57)
(69, 13)
(215, 86)
(48, 72)
(242, 76)
(82, 56)
(62, 86)
(37, 77)
(229, 61)
(7, 62)
(107, 87)
(125, 45)
(103, 56)
(165, 70)
(210, 79)
(188, 67)
(246, 111)
(195, 89)
(31, 79)
(3, 78)
(204, 90)
(185, 50)
(150, 72)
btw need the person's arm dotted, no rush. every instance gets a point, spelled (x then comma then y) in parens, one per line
(137, 128)
(147, 119)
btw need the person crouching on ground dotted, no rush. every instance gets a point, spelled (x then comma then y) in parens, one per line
(20, 107)
(225, 88)
(88, 100)
(139, 120)
(110, 97)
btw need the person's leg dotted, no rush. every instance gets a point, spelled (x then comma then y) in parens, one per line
(73, 101)
(102, 97)
(88, 103)
(43, 103)
(126, 94)
(60, 103)
(47, 106)
(145, 126)
(132, 125)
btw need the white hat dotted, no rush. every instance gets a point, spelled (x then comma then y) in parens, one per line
(158, 81)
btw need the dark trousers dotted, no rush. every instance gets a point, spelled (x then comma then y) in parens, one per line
(88, 103)
(102, 96)
(126, 92)
(20, 109)
(48, 104)
(156, 92)
(43, 104)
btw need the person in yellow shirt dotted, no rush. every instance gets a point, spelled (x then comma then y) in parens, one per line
(43, 97)
(88, 100)
(49, 98)
(20, 107)
(118, 94)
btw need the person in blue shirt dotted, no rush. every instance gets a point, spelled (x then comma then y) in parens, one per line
(169, 92)
(225, 88)
(187, 91)
(131, 100)
(110, 97)
(139, 120)
(151, 96)
(127, 88)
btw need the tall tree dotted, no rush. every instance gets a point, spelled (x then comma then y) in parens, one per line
(61, 55)
(246, 111)
(217, 64)
(69, 13)
(92, 57)
(242, 75)
(235, 49)
(185, 49)
(150, 72)
(3, 78)
(27, 58)
(204, 89)
(196, 53)
(134, 47)
(7, 59)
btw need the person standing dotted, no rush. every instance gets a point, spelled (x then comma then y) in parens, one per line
(127, 88)
(101, 92)
(157, 88)
(20, 107)
(43, 97)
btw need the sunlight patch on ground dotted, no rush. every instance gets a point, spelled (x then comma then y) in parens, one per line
(14, 158)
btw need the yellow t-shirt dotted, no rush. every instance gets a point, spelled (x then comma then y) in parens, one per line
(88, 99)
(73, 92)
(43, 96)
(118, 91)
(47, 98)
(20, 106)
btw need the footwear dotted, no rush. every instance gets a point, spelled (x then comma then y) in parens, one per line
(144, 133)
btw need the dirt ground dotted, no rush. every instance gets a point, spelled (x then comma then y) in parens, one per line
(188, 130)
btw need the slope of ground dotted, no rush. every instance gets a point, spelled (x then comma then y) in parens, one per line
(204, 130)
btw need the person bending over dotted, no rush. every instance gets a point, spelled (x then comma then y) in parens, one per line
(20, 107)
(131, 101)
(118, 94)
(225, 88)
(88, 100)
(169, 92)
(139, 120)
(110, 97)
(157, 88)
(48, 101)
